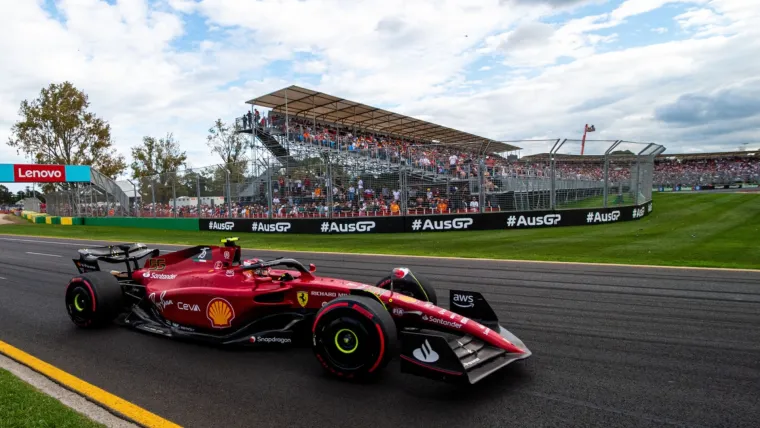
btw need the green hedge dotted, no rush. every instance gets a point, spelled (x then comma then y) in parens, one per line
(144, 222)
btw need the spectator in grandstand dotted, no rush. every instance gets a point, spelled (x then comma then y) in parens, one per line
(474, 204)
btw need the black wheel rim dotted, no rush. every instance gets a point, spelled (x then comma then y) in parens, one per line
(347, 343)
(79, 304)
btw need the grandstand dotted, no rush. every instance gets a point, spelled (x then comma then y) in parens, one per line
(309, 135)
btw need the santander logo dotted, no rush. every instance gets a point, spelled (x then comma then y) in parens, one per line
(39, 173)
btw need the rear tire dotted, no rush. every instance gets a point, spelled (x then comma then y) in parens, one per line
(412, 285)
(93, 299)
(354, 337)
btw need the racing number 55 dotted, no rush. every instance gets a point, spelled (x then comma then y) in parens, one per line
(157, 264)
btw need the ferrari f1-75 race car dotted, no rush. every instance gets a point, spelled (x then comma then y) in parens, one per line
(208, 293)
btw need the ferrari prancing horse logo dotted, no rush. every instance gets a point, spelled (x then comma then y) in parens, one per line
(303, 298)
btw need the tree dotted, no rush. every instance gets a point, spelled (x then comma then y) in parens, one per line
(6, 197)
(156, 162)
(230, 145)
(56, 128)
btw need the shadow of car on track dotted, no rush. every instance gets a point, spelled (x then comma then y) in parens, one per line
(298, 362)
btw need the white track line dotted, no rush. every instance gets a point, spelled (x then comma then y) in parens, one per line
(43, 254)
(3, 277)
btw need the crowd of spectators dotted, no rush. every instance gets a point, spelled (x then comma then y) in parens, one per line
(693, 172)
(460, 163)
(307, 196)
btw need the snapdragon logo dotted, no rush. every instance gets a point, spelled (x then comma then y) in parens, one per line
(279, 340)
(280, 227)
(218, 225)
(597, 217)
(359, 226)
(547, 220)
(455, 224)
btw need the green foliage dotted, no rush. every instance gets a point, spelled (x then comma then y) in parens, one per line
(56, 128)
(6, 196)
(157, 162)
(230, 145)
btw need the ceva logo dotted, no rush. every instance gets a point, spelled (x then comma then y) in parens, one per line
(39, 173)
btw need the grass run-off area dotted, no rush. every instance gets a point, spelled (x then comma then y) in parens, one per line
(695, 229)
(23, 406)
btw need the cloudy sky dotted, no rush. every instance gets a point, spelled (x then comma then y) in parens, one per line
(685, 74)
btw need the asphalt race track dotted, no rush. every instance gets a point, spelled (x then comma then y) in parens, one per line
(613, 347)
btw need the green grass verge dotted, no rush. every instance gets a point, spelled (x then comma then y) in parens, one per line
(708, 230)
(21, 405)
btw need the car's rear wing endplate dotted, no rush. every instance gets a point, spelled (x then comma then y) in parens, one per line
(457, 359)
(86, 265)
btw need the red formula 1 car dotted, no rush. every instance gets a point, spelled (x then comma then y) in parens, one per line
(209, 294)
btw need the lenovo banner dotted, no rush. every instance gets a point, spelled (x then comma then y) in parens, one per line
(38, 173)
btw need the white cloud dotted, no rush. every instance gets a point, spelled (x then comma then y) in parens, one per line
(547, 75)
(312, 67)
(660, 30)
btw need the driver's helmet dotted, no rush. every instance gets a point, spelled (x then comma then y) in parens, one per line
(257, 272)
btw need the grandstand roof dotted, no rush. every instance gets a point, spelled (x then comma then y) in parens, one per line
(302, 102)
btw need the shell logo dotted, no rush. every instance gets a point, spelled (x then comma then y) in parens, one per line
(220, 313)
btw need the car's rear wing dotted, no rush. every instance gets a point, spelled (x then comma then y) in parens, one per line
(90, 258)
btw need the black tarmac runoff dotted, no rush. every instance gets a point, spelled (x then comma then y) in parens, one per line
(612, 347)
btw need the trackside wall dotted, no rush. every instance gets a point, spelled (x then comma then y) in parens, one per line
(190, 224)
(397, 224)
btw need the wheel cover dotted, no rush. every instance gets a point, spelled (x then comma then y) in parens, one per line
(346, 341)
(78, 304)
(346, 344)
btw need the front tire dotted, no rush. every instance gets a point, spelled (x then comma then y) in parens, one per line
(354, 337)
(93, 299)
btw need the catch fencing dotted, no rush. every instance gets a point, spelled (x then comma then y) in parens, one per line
(101, 197)
(344, 177)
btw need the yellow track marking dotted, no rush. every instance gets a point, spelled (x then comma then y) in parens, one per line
(118, 405)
